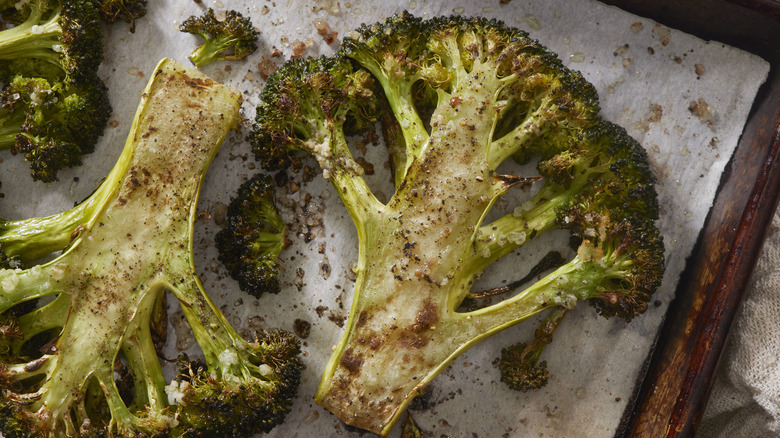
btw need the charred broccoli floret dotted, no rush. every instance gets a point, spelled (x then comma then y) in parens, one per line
(57, 39)
(231, 37)
(54, 105)
(519, 365)
(128, 11)
(77, 347)
(464, 95)
(52, 125)
(253, 237)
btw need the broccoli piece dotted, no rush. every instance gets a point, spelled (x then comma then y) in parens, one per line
(54, 106)
(83, 361)
(250, 243)
(52, 125)
(230, 37)
(464, 95)
(57, 39)
(128, 11)
(519, 365)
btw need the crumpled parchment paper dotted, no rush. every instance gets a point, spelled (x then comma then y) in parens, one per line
(684, 99)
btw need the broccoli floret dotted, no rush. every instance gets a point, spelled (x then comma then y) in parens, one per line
(230, 37)
(128, 11)
(52, 125)
(464, 95)
(520, 367)
(253, 237)
(54, 105)
(57, 39)
(83, 361)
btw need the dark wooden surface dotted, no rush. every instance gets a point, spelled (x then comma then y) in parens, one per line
(671, 397)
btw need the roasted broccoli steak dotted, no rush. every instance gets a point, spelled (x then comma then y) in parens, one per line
(464, 96)
(77, 333)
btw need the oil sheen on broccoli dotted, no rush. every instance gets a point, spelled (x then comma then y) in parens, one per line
(464, 95)
(53, 106)
(229, 37)
(77, 355)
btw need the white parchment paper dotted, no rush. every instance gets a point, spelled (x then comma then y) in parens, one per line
(684, 99)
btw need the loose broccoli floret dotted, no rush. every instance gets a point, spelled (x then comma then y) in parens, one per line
(83, 361)
(465, 95)
(122, 10)
(57, 39)
(52, 125)
(250, 243)
(229, 37)
(54, 106)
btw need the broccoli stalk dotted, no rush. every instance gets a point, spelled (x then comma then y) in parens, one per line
(122, 248)
(228, 38)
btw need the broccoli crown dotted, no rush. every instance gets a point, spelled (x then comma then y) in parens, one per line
(54, 105)
(52, 125)
(85, 360)
(57, 39)
(229, 37)
(253, 237)
(243, 408)
(301, 102)
(460, 96)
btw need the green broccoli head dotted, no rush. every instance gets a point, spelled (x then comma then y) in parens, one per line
(308, 102)
(215, 408)
(230, 37)
(85, 360)
(253, 237)
(462, 95)
(58, 40)
(52, 125)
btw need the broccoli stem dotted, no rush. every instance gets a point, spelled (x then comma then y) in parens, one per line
(50, 316)
(32, 40)
(347, 178)
(36, 237)
(536, 123)
(400, 97)
(143, 362)
(512, 231)
(21, 286)
(211, 330)
(209, 52)
(421, 253)
(10, 125)
(409, 279)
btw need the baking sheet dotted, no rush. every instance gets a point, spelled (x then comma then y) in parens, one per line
(684, 99)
